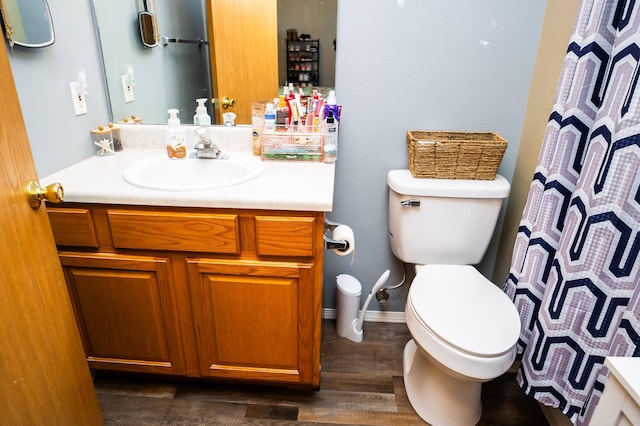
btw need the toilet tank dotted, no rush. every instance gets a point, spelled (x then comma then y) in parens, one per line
(443, 221)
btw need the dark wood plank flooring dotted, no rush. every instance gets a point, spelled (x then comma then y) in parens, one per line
(361, 384)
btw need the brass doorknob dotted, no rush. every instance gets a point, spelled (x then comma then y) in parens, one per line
(226, 102)
(53, 193)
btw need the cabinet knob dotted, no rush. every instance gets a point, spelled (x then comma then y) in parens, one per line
(54, 193)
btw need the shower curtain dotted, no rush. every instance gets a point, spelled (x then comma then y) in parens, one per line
(575, 271)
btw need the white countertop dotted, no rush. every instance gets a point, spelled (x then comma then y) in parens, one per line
(283, 185)
(627, 371)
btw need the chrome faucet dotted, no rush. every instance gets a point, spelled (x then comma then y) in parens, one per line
(206, 148)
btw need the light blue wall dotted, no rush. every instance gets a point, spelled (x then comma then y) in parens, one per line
(58, 137)
(439, 65)
(427, 64)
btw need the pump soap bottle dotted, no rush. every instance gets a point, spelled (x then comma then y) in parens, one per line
(175, 137)
(201, 118)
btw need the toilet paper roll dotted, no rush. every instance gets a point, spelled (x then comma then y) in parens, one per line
(344, 233)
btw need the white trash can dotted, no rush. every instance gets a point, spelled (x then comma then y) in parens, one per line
(348, 290)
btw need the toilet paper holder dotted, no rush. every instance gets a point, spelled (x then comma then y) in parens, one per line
(330, 243)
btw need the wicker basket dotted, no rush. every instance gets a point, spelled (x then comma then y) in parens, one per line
(455, 155)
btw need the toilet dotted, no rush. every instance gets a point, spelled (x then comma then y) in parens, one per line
(464, 329)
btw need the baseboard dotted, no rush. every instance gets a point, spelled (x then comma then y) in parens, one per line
(373, 316)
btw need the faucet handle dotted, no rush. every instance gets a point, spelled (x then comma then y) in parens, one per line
(204, 134)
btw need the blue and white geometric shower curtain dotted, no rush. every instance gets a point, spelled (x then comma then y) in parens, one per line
(575, 271)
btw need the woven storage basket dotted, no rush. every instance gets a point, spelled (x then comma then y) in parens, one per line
(455, 155)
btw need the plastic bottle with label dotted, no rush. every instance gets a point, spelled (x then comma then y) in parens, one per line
(270, 118)
(330, 150)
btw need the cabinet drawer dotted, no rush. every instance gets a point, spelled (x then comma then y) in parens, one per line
(72, 227)
(284, 236)
(210, 233)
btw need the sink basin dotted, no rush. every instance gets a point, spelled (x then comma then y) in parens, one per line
(192, 174)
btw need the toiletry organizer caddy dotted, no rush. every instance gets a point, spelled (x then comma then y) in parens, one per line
(454, 155)
(287, 143)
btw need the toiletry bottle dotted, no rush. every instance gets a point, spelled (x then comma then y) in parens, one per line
(332, 105)
(282, 113)
(319, 115)
(270, 119)
(330, 139)
(292, 92)
(291, 96)
(257, 119)
(201, 118)
(175, 136)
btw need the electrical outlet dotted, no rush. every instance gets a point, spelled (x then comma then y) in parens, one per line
(127, 89)
(78, 98)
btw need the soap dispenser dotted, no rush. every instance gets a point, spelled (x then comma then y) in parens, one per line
(175, 136)
(201, 118)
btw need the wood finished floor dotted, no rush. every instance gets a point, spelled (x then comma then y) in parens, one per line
(361, 384)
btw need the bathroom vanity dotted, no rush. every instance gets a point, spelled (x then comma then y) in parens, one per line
(223, 283)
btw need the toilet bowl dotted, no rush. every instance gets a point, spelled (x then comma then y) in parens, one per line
(464, 333)
(464, 329)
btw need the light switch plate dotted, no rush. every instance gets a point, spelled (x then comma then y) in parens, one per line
(127, 89)
(79, 100)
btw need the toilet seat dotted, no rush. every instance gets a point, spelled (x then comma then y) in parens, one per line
(464, 310)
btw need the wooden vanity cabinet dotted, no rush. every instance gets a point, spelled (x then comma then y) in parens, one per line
(218, 293)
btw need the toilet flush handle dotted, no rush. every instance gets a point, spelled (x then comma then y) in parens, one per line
(410, 203)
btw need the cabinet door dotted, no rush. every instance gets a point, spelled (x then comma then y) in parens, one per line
(254, 320)
(125, 310)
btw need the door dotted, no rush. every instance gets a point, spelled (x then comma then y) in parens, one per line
(44, 376)
(244, 54)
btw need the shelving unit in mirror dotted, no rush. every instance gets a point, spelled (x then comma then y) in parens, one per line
(303, 58)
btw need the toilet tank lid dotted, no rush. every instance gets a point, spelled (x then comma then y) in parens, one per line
(403, 182)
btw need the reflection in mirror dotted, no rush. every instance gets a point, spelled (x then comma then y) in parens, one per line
(148, 31)
(174, 75)
(27, 23)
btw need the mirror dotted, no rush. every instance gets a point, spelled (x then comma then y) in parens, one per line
(27, 23)
(178, 70)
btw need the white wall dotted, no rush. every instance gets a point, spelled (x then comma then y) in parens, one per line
(428, 64)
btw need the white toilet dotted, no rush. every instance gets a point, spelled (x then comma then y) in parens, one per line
(464, 327)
